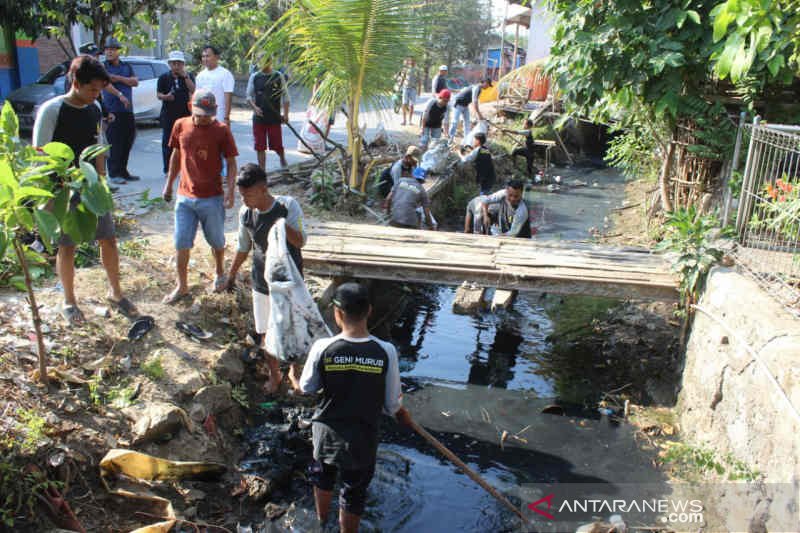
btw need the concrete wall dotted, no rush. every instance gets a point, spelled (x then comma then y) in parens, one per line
(727, 401)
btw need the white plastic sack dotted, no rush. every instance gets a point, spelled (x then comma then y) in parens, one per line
(481, 127)
(434, 160)
(310, 134)
(294, 320)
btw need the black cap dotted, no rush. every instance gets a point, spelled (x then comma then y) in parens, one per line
(352, 298)
(89, 48)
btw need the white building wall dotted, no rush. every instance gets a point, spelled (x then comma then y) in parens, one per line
(540, 33)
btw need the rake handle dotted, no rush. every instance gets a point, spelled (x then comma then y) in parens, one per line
(467, 470)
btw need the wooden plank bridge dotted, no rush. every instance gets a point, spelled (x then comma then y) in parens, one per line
(379, 252)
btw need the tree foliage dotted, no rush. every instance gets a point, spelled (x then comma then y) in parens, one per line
(456, 31)
(233, 27)
(760, 40)
(606, 55)
(352, 48)
(126, 19)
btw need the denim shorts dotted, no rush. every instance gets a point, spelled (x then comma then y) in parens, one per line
(209, 212)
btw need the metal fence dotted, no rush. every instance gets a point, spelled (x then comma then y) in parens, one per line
(768, 212)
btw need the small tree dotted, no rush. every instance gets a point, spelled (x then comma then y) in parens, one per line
(353, 48)
(36, 190)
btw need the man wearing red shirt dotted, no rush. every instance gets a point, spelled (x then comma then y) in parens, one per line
(199, 142)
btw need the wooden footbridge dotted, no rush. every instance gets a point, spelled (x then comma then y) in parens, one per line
(379, 252)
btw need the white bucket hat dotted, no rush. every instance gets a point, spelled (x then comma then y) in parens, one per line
(176, 55)
(443, 67)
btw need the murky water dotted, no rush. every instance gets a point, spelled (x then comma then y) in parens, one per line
(469, 379)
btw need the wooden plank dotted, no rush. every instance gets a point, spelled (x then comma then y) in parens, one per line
(362, 250)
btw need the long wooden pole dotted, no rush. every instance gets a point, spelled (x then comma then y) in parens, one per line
(467, 470)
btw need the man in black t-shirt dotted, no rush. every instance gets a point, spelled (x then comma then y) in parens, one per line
(268, 95)
(528, 151)
(359, 377)
(74, 119)
(174, 89)
(256, 217)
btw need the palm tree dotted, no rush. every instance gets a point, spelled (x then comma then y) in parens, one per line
(352, 48)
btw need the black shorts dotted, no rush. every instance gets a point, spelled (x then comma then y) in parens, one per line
(353, 494)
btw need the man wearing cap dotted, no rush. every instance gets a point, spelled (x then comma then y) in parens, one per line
(199, 143)
(174, 88)
(434, 118)
(118, 100)
(406, 197)
(404, 166)
(439, 82)
(268, 95)
(359, 377)
(465, 99)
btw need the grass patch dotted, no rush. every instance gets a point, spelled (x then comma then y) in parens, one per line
(693, 463)
(240, 396)
(153, 369)
(20, 492)
(135, 248)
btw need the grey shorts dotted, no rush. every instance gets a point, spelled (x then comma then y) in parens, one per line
(105, 226)
(409, 95)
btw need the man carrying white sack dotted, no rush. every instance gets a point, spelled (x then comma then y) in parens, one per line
(257, 216)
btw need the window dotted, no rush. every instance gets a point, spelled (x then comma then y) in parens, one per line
(142, 71)
(57, 71)
(160, 68)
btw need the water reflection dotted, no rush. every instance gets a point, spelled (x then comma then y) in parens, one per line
(494, 369)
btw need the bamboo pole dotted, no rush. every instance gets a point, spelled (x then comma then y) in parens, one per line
(467, 470)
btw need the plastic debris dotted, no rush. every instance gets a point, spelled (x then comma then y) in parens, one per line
(294, 319)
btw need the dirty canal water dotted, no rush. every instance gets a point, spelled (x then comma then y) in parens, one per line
(470, 379)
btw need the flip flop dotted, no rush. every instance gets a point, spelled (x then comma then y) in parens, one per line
(173, 297)
(141, 327)
(123, 306)
(72, 315)
(190, 330)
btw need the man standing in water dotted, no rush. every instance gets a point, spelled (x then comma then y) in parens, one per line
(506, 207)
(359, 377)
(256, 217)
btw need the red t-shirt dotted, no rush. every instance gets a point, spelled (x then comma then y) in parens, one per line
(202, 149)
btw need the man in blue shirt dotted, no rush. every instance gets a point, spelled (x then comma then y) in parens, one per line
(122, 130)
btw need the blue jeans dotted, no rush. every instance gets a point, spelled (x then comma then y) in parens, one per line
(209, 212)
(428, 134)
(460, 111)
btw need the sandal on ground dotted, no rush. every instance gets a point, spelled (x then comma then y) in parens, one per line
(72, 314)
(123, 306)
(175, 297)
